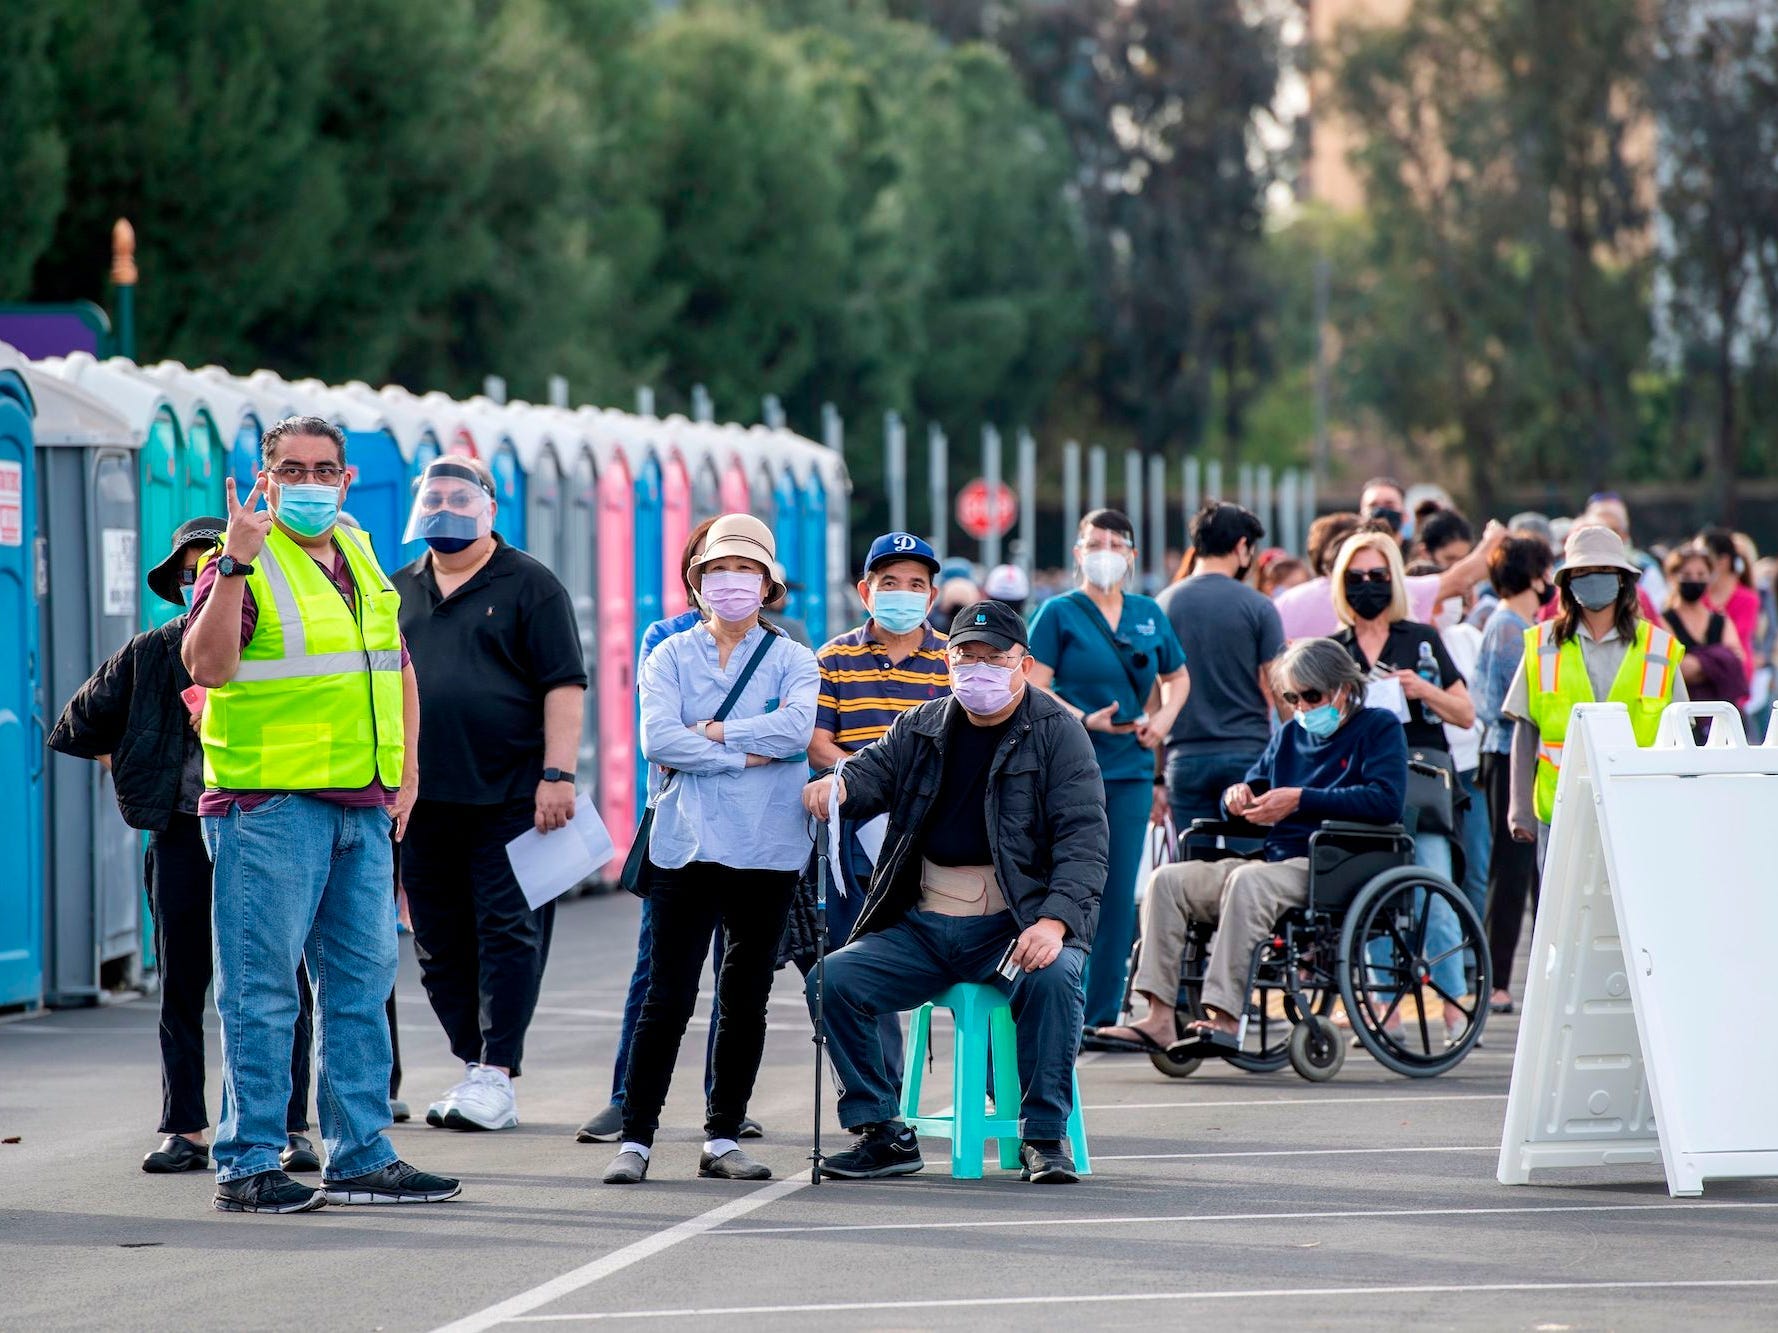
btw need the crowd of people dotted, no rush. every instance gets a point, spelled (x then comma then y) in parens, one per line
(314, 740)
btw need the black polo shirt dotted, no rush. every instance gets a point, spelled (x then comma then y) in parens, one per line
(484, 658)
(1401, 652)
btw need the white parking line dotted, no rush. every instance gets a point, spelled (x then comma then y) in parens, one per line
(1251, 1293)
(1331, 1100)
(1320, 1215)
(618, 1260)
(1281, 1152)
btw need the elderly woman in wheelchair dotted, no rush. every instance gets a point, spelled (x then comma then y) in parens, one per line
(1328, 905)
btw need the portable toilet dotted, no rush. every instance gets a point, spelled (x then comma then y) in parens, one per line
(762, 489)
(706, 477)
(222, 407)
(380, 495)
(580, 573)
(89, 515)
(842, 604)
(265, 407)
(676, 519)
(162, 493)
(812, 552)
(787, 528)
(420, 437)
(208, 434)
(617, 585)
(732, 495)
(22, 725)
(534, 432)
(490, 425)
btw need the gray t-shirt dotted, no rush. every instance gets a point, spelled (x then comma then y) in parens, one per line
(1229, 631)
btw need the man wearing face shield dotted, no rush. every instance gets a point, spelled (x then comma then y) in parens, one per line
(502, 685)
(995, 852)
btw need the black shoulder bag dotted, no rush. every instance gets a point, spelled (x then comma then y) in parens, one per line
(1117, 651)
(635, 876)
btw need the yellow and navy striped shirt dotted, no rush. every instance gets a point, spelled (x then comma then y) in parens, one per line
(862, 692)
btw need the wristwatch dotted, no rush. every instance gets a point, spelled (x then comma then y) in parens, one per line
(558, 775)
(228, 567)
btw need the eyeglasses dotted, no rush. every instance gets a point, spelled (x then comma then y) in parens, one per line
(1109, 544)
(1358, 577)
(463, 499)
(294, 474)
(958, 658)
(1310, 697)
(188, 578)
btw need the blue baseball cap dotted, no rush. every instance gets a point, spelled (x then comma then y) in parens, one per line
(900, 546)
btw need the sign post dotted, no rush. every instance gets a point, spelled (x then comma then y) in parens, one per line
(1642, 955)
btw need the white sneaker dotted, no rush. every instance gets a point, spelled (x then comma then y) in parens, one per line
(435, 1114)
(484, 1101)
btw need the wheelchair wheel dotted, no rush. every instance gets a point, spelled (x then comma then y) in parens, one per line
(1268, 1033)
(1390, 953)
(1316, 1049)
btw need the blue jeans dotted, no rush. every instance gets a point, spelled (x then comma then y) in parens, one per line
(1477, 835)
(639, 991)
(842, 915)
(1196, 782)
(1127, 804)
(889, 971)
(1432, 851)
(300, 877)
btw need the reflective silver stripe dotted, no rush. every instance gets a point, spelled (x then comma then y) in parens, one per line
(1550, 752)
(290, 620)
(319, 664)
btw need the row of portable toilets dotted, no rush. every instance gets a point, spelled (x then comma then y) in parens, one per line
(101, 460)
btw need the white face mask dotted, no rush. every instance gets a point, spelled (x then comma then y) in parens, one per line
(1450, 612)
(1104, 569)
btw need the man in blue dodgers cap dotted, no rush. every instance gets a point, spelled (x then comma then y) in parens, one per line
(991, 872)
(869, 677)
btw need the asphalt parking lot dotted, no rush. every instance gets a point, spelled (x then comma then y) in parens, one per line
(1236, 1199)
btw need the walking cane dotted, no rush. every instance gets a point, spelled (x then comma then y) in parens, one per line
(820, 1037)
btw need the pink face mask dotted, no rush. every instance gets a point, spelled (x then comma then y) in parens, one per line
(981, 688)
(732, 596)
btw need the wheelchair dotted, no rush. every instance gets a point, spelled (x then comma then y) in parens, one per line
(1362, 938)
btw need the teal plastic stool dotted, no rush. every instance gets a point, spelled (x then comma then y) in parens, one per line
(978, 1011)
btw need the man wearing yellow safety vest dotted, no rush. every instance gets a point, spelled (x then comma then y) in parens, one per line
(309, 766)
(1598, 650)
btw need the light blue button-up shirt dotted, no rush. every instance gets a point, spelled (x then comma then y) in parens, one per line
(715, 808)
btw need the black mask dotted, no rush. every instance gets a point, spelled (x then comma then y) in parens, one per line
(1546, 594)
(1692, 592)
(449, 532)
(1390, 516)
(1369, 600)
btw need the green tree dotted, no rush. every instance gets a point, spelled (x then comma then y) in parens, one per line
(34, 158)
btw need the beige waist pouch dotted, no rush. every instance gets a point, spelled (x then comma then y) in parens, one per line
(960, 890)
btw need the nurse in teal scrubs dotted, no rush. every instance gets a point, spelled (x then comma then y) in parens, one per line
(1105, 653)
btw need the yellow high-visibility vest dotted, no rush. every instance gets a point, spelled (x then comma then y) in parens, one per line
(1557, 679)
(316, 702)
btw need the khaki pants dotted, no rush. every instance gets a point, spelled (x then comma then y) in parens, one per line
(1242, 899)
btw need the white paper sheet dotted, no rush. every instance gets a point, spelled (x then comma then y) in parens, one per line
(871, 834)
(836, 857)
(1387, 695)
(547, 865)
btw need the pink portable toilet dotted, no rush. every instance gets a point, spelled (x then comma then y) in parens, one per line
(676, 524)
(616, 648)
(732, 483)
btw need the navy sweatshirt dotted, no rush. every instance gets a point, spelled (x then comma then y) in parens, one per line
(1360, 773)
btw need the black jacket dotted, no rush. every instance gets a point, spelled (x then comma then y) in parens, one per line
(1046, 813)
(131, 710)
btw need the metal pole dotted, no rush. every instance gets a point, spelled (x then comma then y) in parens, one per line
(1321, 375)
(1213, 479)
(1157, 520)
(1308, 507)
(1262, 495)
(771, 412)
(644, 401)
(991, 474)
(1288, 500)
(494, 388)
(702, 409)
(558, 391)
(938, 488)
(895, 470)
(123, 283)
(819, 833)
(1070, 491)
(1193, 492)
(1244, 485)
(833, 429)
(1095, 479)
(1027, 502)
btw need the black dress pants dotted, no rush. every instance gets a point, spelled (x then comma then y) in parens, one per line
(481, 947)
(1512, 872)
(176, 870)
(685, 906)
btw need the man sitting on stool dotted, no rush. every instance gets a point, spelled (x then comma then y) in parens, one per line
(1337, 760)
(997, 838)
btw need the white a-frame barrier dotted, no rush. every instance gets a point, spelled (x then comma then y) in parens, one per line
(1641, 1039)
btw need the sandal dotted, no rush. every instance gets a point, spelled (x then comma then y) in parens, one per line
(1104, 1039)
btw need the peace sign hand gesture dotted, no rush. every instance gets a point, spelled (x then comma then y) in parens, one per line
(247, 523)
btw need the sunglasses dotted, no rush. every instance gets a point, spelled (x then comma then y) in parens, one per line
(1356, 578)
(1311, 697)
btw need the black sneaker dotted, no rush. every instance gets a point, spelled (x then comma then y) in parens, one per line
(887, 1148)
(268, 1192)
(178, 1153)
(299, 1155)
(1046, 1162)
(396, 1183)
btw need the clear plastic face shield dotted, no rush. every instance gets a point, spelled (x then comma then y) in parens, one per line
(452, 507)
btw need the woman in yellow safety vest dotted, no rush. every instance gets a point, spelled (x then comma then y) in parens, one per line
(1598, 650)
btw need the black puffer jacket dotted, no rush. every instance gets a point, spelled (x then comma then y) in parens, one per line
(131, 710)
(1046, 813)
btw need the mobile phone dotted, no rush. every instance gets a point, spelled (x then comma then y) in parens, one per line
(1006, 967)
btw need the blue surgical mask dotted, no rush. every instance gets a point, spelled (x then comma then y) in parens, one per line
(186, 594)
(308, 511)
(898, 612)
(1320, 722)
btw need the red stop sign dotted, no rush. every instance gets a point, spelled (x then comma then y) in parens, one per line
(979, 514)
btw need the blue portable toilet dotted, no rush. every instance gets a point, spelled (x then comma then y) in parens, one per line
(787, 532)
(96, 923)
(378, 499)
(648, 583)
(218, 409)
(543, 436)
(811, 571)
(417, 439)
(22, 726)
(490, 426)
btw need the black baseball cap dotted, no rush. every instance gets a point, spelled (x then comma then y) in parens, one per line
(164, 577)
(992, 623)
